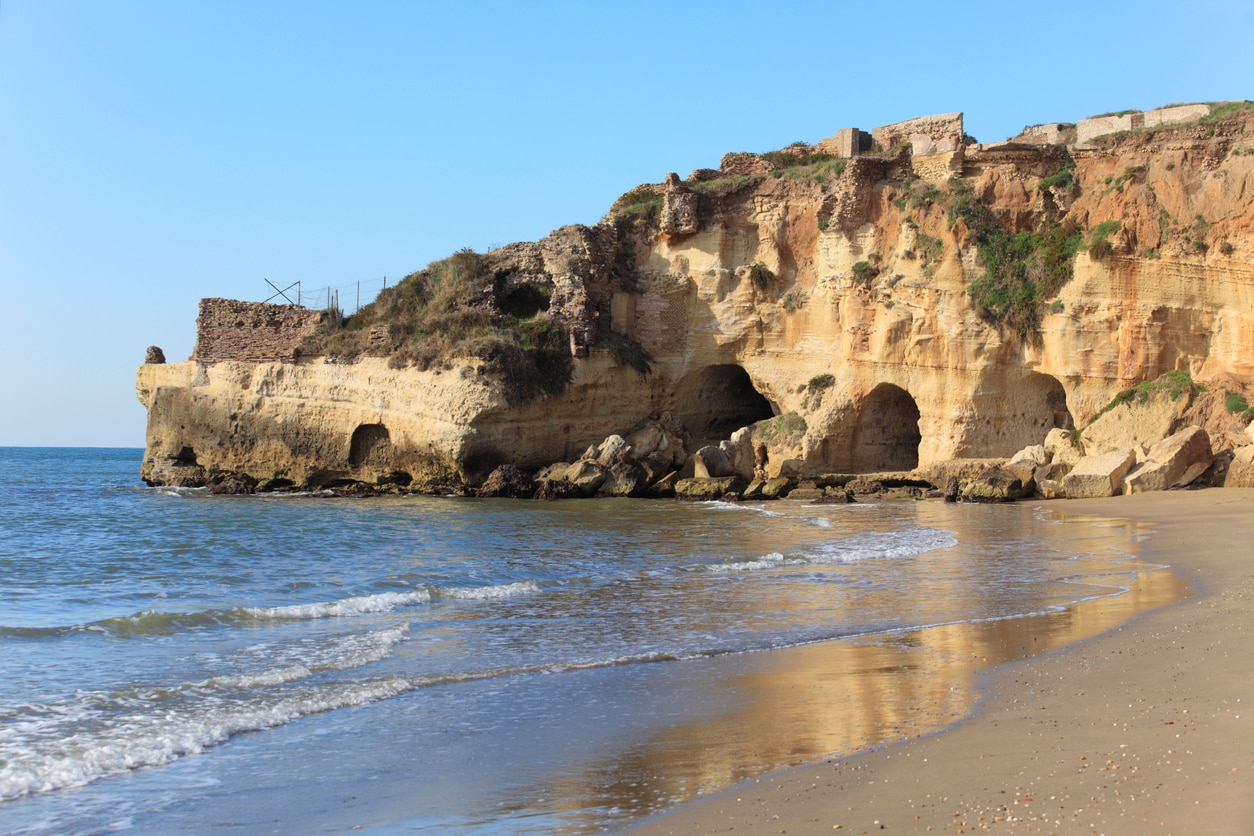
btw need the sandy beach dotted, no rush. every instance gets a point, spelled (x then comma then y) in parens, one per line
(1147, 728)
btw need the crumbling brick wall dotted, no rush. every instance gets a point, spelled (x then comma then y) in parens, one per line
(937, 134)
(228, 329)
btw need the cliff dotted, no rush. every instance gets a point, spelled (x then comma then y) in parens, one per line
(882, 302)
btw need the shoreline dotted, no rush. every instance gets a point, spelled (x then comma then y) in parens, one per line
(1137, 729)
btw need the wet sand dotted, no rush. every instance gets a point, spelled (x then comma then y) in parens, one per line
(1147, 728)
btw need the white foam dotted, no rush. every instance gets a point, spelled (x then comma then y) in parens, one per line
(871, 545)
(344, 607)
(122, 743)
(489, 593)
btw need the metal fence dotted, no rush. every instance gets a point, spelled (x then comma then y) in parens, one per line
(349, 298)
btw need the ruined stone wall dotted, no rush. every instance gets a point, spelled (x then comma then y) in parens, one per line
(848, 142)
(1089, 129)
(740, 163)
(926, 134)
(938, 168)
(228, 329)
(851, 192)
(1051, 133)
(661, 315)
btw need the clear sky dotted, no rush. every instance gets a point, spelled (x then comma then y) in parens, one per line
(153, 152)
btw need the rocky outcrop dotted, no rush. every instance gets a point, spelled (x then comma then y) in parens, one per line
(820, 306)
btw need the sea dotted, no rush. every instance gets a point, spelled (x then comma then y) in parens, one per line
(172, 661)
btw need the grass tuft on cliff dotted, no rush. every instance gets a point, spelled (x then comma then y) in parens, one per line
(1022, 270)
(450, 309)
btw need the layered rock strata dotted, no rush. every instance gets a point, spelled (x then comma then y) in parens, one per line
(823, 303)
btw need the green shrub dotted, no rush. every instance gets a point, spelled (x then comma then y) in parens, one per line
(761, 275)
(794, 300)
(815, 389)
(1235, 402)
(930, 251)
(863, 271)
(1021, 270)
(449, 310)
(626, 351)
(1098, 243)
(784, 430)
(638, 202)
(1226, 248)
(1063, 178)
(1174, 383)
(1225, 110)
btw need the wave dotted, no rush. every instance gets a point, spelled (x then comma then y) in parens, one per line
(69, 743)
(489, 593)
(160, 622)
(131, 741)
(872, 545)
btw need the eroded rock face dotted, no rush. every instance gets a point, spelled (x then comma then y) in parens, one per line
(831, 317)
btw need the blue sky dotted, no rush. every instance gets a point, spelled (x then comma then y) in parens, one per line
(153, 153)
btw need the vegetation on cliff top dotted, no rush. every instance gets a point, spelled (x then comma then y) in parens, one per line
(450, 309)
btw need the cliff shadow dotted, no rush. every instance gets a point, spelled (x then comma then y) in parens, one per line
(875, 433)
(1013, 411)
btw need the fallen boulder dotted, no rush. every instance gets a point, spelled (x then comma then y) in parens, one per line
(1100, 475)
(1172, 463)
(708, 488)
(550, 489)
(711, 463)
(586, 475)
(622, 479)
(507, 481)
(997, 484)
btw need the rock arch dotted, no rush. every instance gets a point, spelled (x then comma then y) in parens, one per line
(718, 400)
(369, 445)
(887, 433)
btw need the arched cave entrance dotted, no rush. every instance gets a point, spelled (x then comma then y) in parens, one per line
(370, 445)
(887, 435)
(1011, 411)
(717, 401)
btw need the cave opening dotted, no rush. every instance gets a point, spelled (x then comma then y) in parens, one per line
(369, 445)
(717, 401)
(1056, 410)
(887, 436)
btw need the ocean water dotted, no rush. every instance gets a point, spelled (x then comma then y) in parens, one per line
(172, 661)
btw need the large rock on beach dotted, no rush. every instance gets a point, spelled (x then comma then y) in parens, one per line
(1097, 476)
(507, 481)
(1060, 446)
(709, 488)
(997, 484)
(711, 463)
(622, 479)
(586, 475)
(1172, 463)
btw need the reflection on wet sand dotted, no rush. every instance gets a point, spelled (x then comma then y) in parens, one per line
(833, 698)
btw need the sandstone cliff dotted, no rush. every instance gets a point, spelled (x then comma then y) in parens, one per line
(897, 305)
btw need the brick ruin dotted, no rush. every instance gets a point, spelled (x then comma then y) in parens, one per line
(228, 329)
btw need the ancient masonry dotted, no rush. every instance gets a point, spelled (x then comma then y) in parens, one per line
(227, 329)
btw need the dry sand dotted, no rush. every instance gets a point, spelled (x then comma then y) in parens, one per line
(1148, 728)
